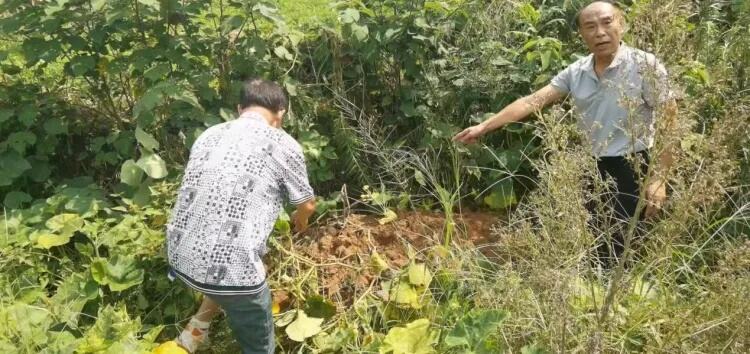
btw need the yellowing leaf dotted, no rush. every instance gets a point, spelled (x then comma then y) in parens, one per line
(153, 165)
(303, 327)
(146, 140)
(415, 338)
(388, 216)
(405, 294)
(419, 275)
(377, 262)
(276, 308)
(49, 240)
(169, 348)
(65, 224)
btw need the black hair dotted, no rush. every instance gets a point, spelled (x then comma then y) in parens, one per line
(263, 93)
(614, 3)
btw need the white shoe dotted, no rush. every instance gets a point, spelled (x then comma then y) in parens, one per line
(194, 336)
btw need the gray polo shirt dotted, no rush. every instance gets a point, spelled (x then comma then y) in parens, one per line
(235, 182)
(617, 110)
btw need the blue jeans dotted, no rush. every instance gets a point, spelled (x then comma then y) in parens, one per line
(250, 319)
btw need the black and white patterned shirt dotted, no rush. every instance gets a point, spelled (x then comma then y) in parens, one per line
(231, 195)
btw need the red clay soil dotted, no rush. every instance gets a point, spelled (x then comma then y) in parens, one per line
(347, 243)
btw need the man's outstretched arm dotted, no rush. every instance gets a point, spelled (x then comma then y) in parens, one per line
(519, 109)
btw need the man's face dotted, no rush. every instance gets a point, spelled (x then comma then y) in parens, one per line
(600, 25)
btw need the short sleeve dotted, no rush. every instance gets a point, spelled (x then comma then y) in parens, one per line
(656, 88)
(562, 80)
(294, 175)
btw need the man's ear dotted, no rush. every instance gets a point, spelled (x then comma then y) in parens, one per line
(280, 114)
(622, 22)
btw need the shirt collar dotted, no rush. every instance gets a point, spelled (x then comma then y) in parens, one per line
(622, 52)
(620, 56)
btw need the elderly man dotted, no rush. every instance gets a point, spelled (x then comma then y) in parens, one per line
(617, 91)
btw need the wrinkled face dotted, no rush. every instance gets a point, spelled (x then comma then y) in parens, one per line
(601, 26)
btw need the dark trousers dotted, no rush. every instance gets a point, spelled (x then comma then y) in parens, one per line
(619, 203)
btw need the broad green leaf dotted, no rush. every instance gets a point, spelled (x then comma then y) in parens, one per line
(349, 16)
(335, 342)
(76, 42)
(502, 195)
(30, 321)
(303, 327)
(227, 114)
(457, 338)
(99, 271)
(19, 141)
(124, 143)
(474, 329)
(36, 49)
(419, 275)
(65, 224)
(158, 71)
(154, 4)
(146, 140)
(55, 126)
(80, 65)
(27, 115)
(283, 53)
(130, 173)
(405, 294)
(291, 86)
(123, 273)
(268, 12)
(415, 338)
(119, 272)
(318, 307)
(148, 101)
(12, 165)
(40, 171)
(407, 107)
(188, 97)
(285, 319)
(48, 240)
(545, 59)
(14, 199)
(5, 114)
(143, 195)
(231, 23)
(282, 227)
(113, 332)
(153, 165)
(360, 32)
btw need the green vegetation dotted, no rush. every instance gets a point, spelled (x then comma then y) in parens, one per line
(100, 102)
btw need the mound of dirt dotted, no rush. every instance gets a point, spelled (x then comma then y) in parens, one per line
(343, 247)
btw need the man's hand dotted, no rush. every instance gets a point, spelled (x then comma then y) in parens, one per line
(656, 195)
(514, 112)
(302, 214)
(470, 135)
(300, 222)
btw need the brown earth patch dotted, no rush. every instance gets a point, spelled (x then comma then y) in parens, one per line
(343, 247)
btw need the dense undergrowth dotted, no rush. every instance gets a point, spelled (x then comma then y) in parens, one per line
(100, 101)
